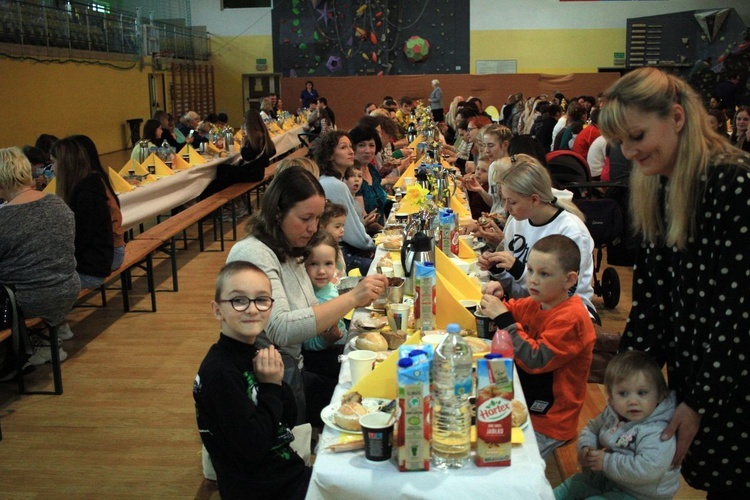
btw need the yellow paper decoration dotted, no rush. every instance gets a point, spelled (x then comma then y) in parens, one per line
(465, 251)
(211, 148)
(468, 288)
(119, 184)
(51, 187)
(133, 165)
(381, 382)
(449, 310)
(163, 170)
(179, 164)
(149, 178)
(195, 157)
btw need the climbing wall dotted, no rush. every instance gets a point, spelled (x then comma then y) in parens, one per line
(370, 37)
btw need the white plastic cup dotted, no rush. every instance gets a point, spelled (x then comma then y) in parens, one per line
(398, 316)
(409, 181)
(360, 364)
(433, 339)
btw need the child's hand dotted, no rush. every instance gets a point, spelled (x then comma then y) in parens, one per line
(494, 288)
(491, 306)
(583, 454)
(332, 334)
(502, 259)
(595, 460)
(371, 217)
(483, 261)
(268, 366)
(491, 233)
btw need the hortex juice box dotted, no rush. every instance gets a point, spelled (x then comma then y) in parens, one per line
(413, 427)
(494, 411)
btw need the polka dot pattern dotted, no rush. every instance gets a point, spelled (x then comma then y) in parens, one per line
(690, 312)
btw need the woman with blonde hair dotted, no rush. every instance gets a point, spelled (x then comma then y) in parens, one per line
(690, 199)
(304, 162)
(533, 213)
(38, 261)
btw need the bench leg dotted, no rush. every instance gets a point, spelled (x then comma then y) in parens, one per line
(173, 255)
(221, 228)
(201, 243)
(150, 278)
(124, 287)
(103, 291)
(234, 222)
(55, 352)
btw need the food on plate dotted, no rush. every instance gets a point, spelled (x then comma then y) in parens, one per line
(390, 241)
(385, 261)
(468, 332)
(394, 339)
(519, 413)
(373, 341)
(347, 415)
(477, 345)
(371, 322)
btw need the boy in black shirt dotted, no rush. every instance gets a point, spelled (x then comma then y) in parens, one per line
(243, 408)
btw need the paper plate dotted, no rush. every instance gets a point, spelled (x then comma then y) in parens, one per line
(326, 415)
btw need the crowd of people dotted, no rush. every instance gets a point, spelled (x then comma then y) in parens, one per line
(275, 364)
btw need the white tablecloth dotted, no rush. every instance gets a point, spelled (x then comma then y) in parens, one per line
(147, 201)
(351, 475)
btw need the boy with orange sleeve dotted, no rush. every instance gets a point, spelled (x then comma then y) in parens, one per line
(553, 338)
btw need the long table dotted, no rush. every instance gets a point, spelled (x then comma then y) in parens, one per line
(147, 201)
(351, 475)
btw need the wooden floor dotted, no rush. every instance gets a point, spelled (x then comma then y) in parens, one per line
(125, 426)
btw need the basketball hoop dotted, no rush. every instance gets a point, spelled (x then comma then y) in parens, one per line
(162, 61)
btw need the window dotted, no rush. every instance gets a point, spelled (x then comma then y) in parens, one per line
(244, 4)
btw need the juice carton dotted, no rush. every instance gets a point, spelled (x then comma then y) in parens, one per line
(494, 410)
(413, 428)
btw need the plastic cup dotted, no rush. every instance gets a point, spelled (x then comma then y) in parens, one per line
(470, 305)
(433, 339)
(360, 364)
(409, 181)
(394, 292)
(398, 316)
(377, 431)
(387, 272)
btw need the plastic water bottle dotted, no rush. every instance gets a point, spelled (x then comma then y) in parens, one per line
(502, 344)
(451, 377)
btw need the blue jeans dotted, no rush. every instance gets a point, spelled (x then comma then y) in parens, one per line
(88, 281)
(354, 257)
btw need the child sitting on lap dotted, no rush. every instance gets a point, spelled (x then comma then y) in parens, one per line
(321, 352)
(621, 450)
(244, 410)
(332, 221)
(553, 338)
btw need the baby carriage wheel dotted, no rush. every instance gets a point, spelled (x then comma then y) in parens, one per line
(610, 287)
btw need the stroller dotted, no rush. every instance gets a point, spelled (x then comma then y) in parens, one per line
(604, 216)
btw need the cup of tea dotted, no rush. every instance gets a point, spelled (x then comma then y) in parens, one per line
(470, 305)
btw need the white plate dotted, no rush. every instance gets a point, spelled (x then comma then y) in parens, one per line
(352, 343)
(370, 323)
(380, 246)
(326, 415)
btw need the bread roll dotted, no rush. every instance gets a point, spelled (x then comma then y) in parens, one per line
(347, 416)
(372, 342)
(477, 345)
(519, 413)
(394, 339)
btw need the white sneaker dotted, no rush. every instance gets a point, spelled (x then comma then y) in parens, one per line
(42, 353)
(64, 332)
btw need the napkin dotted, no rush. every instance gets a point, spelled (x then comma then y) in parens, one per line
(465, 251)
(162, 169)
(148, 179)
(467, 288)
(134, 165)
(119, 184)
(458, 206)
(195, 157)
(381, 382)
(410, 171)
(211, 148)
(237, 145)
(238, 136)
(449, 310)
(178, 163)
(51, 187)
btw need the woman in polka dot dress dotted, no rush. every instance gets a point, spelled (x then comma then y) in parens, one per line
(690, 197)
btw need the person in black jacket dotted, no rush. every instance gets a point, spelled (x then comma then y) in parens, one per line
(257, 150)
(243, 408)
(84, 190)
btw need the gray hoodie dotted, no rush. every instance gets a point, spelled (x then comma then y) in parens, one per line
(637, 460)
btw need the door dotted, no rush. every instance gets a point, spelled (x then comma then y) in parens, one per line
(256, 87)
(157, 92)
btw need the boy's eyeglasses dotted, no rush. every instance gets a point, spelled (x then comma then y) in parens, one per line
(241, 303)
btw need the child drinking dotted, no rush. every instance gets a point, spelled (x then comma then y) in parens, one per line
(621, 450)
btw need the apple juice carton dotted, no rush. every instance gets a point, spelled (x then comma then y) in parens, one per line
(413, 428)
(494, 410)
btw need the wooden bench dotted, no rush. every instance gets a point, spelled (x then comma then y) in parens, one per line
(138, 253)
(20, 344)
(165, 232)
